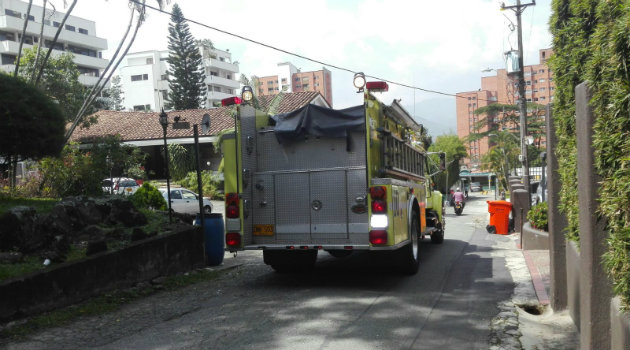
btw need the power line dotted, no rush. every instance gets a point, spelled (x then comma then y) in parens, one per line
(302, 56)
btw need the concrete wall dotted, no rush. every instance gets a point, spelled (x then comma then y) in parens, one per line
(75, 281)
(573, 282)
(533, 239)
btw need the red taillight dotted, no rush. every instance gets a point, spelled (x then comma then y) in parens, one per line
(116, 187)
(377, 86)
(233, 239)
(378, 192)
(379, 199)
(379, 207)
(231, 101)
(378, 237)
(232, 205)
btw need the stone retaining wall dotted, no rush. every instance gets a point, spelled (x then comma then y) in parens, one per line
(75, 281)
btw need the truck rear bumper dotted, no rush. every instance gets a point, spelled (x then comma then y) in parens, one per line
(323, 247)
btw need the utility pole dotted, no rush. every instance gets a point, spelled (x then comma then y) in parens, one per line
(518, 10)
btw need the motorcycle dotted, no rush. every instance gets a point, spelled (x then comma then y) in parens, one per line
(459, 207)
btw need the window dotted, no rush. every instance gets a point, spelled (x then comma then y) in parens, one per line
(541, 71)
(164, 77)
(70, 28)
(56, 24)
(8, 59)
(162, 59)
(139, 77)
(269, 82)
(188, 195)
(47, 22)
(222, 59)
(229, 76)
(150, 60)
(284, 80)
(214, 74)
(270, 89)
(217, 88)
(529, 82)
(304, 80)
(542, 89)
(12, 13)
(542, 80)
(543, 98)
(304, 86)
(176, 194)
(83, 31)
(139, 108)
(31, 18)
(6, 36)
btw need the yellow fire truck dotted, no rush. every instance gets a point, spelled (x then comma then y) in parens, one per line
(334, 180)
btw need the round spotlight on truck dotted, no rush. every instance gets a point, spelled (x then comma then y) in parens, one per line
(247, 94)
(359, 81)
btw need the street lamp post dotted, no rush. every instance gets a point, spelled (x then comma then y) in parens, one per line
(164, 123)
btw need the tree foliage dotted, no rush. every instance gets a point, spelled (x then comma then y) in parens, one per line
(114, 96)
(60, 80)
(186, 73)
(455, 151)
(31, 124)
(590, 41)
(502, 156)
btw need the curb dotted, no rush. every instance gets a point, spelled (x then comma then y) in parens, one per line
(539, 286)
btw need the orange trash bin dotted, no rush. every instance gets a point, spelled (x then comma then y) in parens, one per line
(499, 217)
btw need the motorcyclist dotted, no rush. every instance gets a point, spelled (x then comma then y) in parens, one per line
(458, 196)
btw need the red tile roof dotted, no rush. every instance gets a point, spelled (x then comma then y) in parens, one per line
(135, 126)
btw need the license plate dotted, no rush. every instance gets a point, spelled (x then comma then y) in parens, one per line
(263, 230)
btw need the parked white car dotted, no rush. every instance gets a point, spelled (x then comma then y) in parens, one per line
(185, 201)
(121, 185)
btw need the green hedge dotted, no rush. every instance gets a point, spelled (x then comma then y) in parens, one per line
(592, 43)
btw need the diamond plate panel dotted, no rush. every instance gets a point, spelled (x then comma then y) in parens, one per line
(248, 129)
(263, 206)
(331, 220)
(357, 189)
(292, 206)
(310, 153)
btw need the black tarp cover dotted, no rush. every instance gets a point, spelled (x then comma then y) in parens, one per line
(318, 121)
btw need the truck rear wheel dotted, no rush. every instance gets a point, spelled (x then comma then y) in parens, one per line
(290, 260)
(409, 255)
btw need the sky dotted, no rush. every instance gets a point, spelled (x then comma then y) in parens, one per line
(434, 45)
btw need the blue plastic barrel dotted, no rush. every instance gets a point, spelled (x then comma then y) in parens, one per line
(213, 238)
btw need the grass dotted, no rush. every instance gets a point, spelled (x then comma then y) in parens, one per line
(104, 303)
(29, 264)
(41, 205)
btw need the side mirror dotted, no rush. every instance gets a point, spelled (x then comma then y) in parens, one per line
(442, 161)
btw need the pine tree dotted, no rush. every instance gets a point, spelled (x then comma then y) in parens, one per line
(186, 74)
(115, 95)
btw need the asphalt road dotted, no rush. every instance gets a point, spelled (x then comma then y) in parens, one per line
(355, 302)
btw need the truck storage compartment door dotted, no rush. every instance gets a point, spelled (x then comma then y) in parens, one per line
(328, 205)
(292, 207)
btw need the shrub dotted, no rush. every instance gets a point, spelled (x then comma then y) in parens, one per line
(149, 197)
(210, 183)
(537, 216)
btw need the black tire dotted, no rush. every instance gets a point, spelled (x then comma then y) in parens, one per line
(207, 209)
(409, 255)
(290, 260)
(491, 229)
(459, 211)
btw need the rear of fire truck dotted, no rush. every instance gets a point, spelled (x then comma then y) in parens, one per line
(323, 179)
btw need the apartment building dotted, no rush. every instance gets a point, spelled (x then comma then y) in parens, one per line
(501, 88)
(144, 78)
(78, 37)
(292, 79)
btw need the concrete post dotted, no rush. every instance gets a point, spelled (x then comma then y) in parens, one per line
(595, 289)
(557, 222)
(520, 206)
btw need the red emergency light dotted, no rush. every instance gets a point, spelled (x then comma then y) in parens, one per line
(231, 101)
(377, 86)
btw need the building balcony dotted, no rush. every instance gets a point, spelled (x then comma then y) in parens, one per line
(221, 65)
(12, 47)
(88, 80)
(13, 24)
(217, 96)
(223, 82)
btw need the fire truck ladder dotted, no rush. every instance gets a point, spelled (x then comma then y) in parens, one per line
(401, 158)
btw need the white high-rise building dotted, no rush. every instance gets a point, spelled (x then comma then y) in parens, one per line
(78, 37)
(144, 78)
